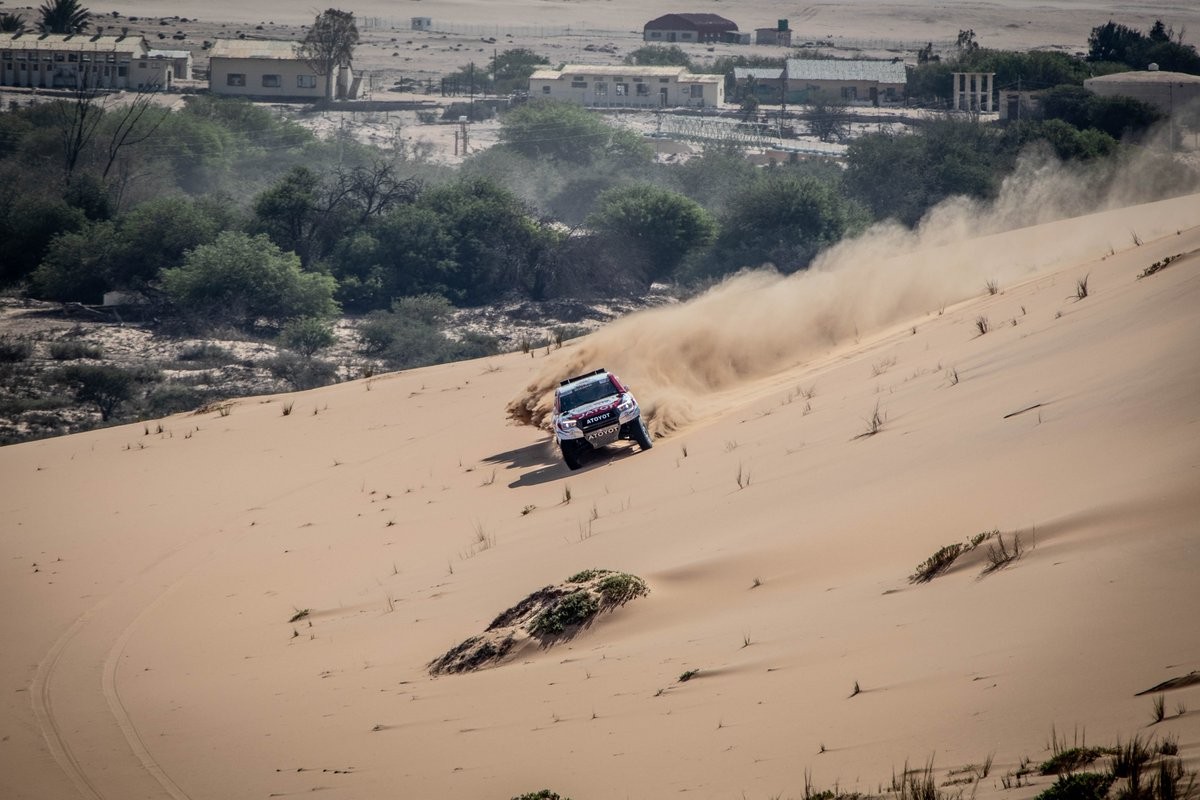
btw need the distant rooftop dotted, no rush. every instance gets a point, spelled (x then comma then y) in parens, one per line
(77, 42)
(1146, 76)
(710, 23)
(804, 69)
(758, 73)
(254, 48)
(622, 71)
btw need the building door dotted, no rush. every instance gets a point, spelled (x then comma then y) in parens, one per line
(662, 96)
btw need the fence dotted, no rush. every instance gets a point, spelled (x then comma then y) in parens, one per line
(463, 29)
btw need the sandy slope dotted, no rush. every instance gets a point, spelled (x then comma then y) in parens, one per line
(149, 654)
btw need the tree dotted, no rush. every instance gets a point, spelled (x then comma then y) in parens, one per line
(784, 221)
(12, 23)
(827, 118)
(329, 44)
(511, 68)
(1112, 42)
(63, 16)
(966, 42)
(659, 55)
(105, 386)
(565, 132)
(660, 228)
(240, 279)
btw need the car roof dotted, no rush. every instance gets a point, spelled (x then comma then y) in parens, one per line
(584, 381)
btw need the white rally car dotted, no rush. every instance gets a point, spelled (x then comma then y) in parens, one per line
(594, 410)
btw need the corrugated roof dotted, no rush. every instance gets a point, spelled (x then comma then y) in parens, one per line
(805, 69)
(79, 42)
(709, 23)
(170, 53)
(254, 48)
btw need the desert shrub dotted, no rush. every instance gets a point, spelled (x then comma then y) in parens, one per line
(1069, 760)
(586, 575)
(572, 609)
(541, 794)
(174, 398)
(75, 265)
(73, 351)
(307, 336)
(1078, 786)
(656, 226)
(659, 55)
(784, 221)
(240, 280)
(106, 387)
(14, 349)
(569, 133)
(302, 373)
(207, 354)
(620, 587)
(27, 226)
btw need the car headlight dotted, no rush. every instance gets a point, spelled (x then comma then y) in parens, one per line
(628, 404)
(566, 424)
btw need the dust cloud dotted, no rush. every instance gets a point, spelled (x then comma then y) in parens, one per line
(679, 359)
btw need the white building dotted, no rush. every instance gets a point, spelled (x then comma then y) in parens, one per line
(622, 86)
(973, 91)
(61, 61)
(270, 69)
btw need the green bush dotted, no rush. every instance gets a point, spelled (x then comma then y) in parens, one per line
(206, 354)
(542, 794)
(307, 336)
(572, 609)
(659, 228)
(14, 349)
(242, 280)
(73, 351)
(1079, 786)
(302, 373)
(106, 387)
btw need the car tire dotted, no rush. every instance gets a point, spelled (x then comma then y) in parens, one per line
(642, 436)
(570, 455)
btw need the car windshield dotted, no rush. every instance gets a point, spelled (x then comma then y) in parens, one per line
(574, 397)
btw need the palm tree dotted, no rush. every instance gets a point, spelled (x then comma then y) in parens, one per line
(12, 23)
(63, 16)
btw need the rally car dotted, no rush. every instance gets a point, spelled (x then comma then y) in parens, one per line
(594, 410)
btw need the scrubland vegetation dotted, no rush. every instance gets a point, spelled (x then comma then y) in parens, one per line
(224, 217)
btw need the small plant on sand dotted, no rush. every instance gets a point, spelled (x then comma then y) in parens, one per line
(982, 325)
(574, 609)
(541, 794)
(992, 287)
(952, 376)
(940, 561)
(300, 614)
(1078, 786)
(687, 676)
(874, 424)
(757, 583)
(1081, 287)
(1065, 762)
(1180, 708)
(1000, 554)
(286, 408)
(1169, 746)
(1157, 265)
(1159, 710)
(566, 494)
(857, 690)
(743, 477)
(1129, 759)
(746, 640)
(527, 510)
(618, 588)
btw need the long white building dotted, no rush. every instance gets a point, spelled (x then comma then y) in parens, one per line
(62, 61)
(623, 86)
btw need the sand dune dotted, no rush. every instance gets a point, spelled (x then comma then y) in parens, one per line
(150, 577)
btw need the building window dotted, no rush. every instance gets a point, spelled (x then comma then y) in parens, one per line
(578, 84)
(664, 80)
(546, 89)
(849, 93)
(141, 65)
(643, 90)
(72, 58)
(622, 89)
(59, 56)
(655, 34)
(122, 71)
(685, 36)
(272, 81)
(235, 79)
(600, 89)
(306, 81)
(697, 90)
